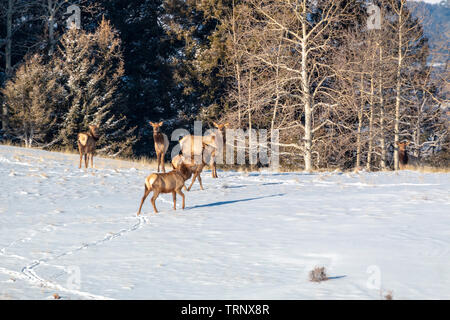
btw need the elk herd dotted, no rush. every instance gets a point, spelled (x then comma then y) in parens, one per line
(196, 153)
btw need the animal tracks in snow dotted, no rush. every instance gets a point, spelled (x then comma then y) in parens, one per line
(246, 235)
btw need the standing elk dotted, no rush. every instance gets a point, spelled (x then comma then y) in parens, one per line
(86, 145)
(221, 132)
(161, 144)
(404, 159)
(171, 182)
(193, 146)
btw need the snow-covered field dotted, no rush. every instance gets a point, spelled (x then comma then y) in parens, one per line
(246, 236)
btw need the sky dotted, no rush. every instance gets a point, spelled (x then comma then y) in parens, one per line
(431, 1)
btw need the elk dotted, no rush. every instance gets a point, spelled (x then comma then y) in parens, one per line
(161, 143)
(221, 128)
(86, 145)
(193, 146)
(171, 182)
(405, 160)
(195, 168)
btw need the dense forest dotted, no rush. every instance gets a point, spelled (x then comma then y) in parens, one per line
(338, 93)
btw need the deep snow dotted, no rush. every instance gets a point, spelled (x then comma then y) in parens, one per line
(246, 236)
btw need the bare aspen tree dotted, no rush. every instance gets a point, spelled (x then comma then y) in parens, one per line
(409, 50)
(382, 112)
(403, 32)
(54, 14)
(304, 41)
(339, 97)
(237, 55)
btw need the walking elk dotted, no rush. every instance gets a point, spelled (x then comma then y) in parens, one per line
(171, 182)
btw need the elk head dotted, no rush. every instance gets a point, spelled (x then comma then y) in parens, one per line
(93, 129)
(402, 145)
(156, 126)
(221, 127)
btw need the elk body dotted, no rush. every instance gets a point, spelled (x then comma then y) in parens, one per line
(171, 182)
(192, 147)
(195, 168)
(404, 159)
(161, 144)
(86, 145)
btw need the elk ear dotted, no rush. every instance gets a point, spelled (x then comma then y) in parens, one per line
(227, 125)
(215, 124)
(161, 123)
(151, 123)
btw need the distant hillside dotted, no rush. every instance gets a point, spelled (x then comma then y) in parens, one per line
(436, 22)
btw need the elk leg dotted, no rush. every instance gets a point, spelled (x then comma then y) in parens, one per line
(147, 191)
(158, 156)
(212, 164)
(182, 195)
(81, 160)
(92, 160)
(174, 195)
(192, 181)
(86, 160)
(155, 195)
(199, 178)
(81, 154)
(162, 163)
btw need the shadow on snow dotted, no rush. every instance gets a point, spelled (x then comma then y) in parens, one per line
(220, 203)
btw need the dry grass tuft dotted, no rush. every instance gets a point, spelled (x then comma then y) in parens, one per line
(389, 295)
(318, 274)
(429, 169)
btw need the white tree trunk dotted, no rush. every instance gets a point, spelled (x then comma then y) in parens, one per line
(308, 108)
(398, 88)
(382, 116)
(371, 111)
(360, 124)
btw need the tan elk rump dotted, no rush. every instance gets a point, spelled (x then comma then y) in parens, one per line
(86, 145)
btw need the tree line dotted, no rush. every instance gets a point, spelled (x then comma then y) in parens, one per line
(340, 94)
